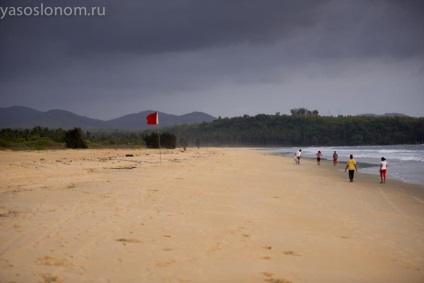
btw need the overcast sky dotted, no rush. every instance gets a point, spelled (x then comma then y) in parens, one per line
(223, 57)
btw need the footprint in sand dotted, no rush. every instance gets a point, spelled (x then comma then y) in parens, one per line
(270, 278)
(291, 253)
(48, 278)
(4, 212)
(53, 261)
(165, 263)
(131, 241)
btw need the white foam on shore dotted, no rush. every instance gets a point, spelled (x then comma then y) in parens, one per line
(406, 162)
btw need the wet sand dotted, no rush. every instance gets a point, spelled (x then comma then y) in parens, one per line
(204, 215)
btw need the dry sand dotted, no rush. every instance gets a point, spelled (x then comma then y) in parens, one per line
(205, 215)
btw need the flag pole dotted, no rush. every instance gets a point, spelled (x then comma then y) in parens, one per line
(160, 150)
(153, 119)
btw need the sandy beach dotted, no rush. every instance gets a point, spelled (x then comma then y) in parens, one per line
(204, 215)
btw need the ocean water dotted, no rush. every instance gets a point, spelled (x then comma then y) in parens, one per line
(405, 162)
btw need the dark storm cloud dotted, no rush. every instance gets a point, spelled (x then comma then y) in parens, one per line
(373, 28)
(333, 28)
(162, 26)
(148, 27)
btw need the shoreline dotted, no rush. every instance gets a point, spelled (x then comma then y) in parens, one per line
(399, 170)
(204, 215)
(366, 178)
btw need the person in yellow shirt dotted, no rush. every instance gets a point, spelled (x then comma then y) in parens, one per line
(351, 164)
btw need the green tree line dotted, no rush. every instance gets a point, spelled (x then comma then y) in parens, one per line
(42, 138)
(38, 138)
(304, 129)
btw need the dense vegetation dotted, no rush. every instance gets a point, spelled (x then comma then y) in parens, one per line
(303, 128)
(166, 140)
(42, 138)
(75, 139)
(37, 138)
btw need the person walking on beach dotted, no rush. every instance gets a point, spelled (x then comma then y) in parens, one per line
(319, 154)
(351, 164)
(383, 170)
(298, 155)
(335, 157)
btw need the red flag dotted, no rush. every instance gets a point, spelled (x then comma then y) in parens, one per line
(153, 119)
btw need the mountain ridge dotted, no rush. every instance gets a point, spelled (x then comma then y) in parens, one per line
(16, 117)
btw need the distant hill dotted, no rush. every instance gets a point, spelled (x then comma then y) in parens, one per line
(16, 117)
(11, 116)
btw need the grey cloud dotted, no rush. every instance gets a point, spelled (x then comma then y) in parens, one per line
(328, 28)
(373, 28)
(149, 27)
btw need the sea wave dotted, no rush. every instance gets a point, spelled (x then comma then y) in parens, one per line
(406, 162)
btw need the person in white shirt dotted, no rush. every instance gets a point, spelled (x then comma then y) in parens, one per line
(383, 170)
(298, 155)
(319, 155)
